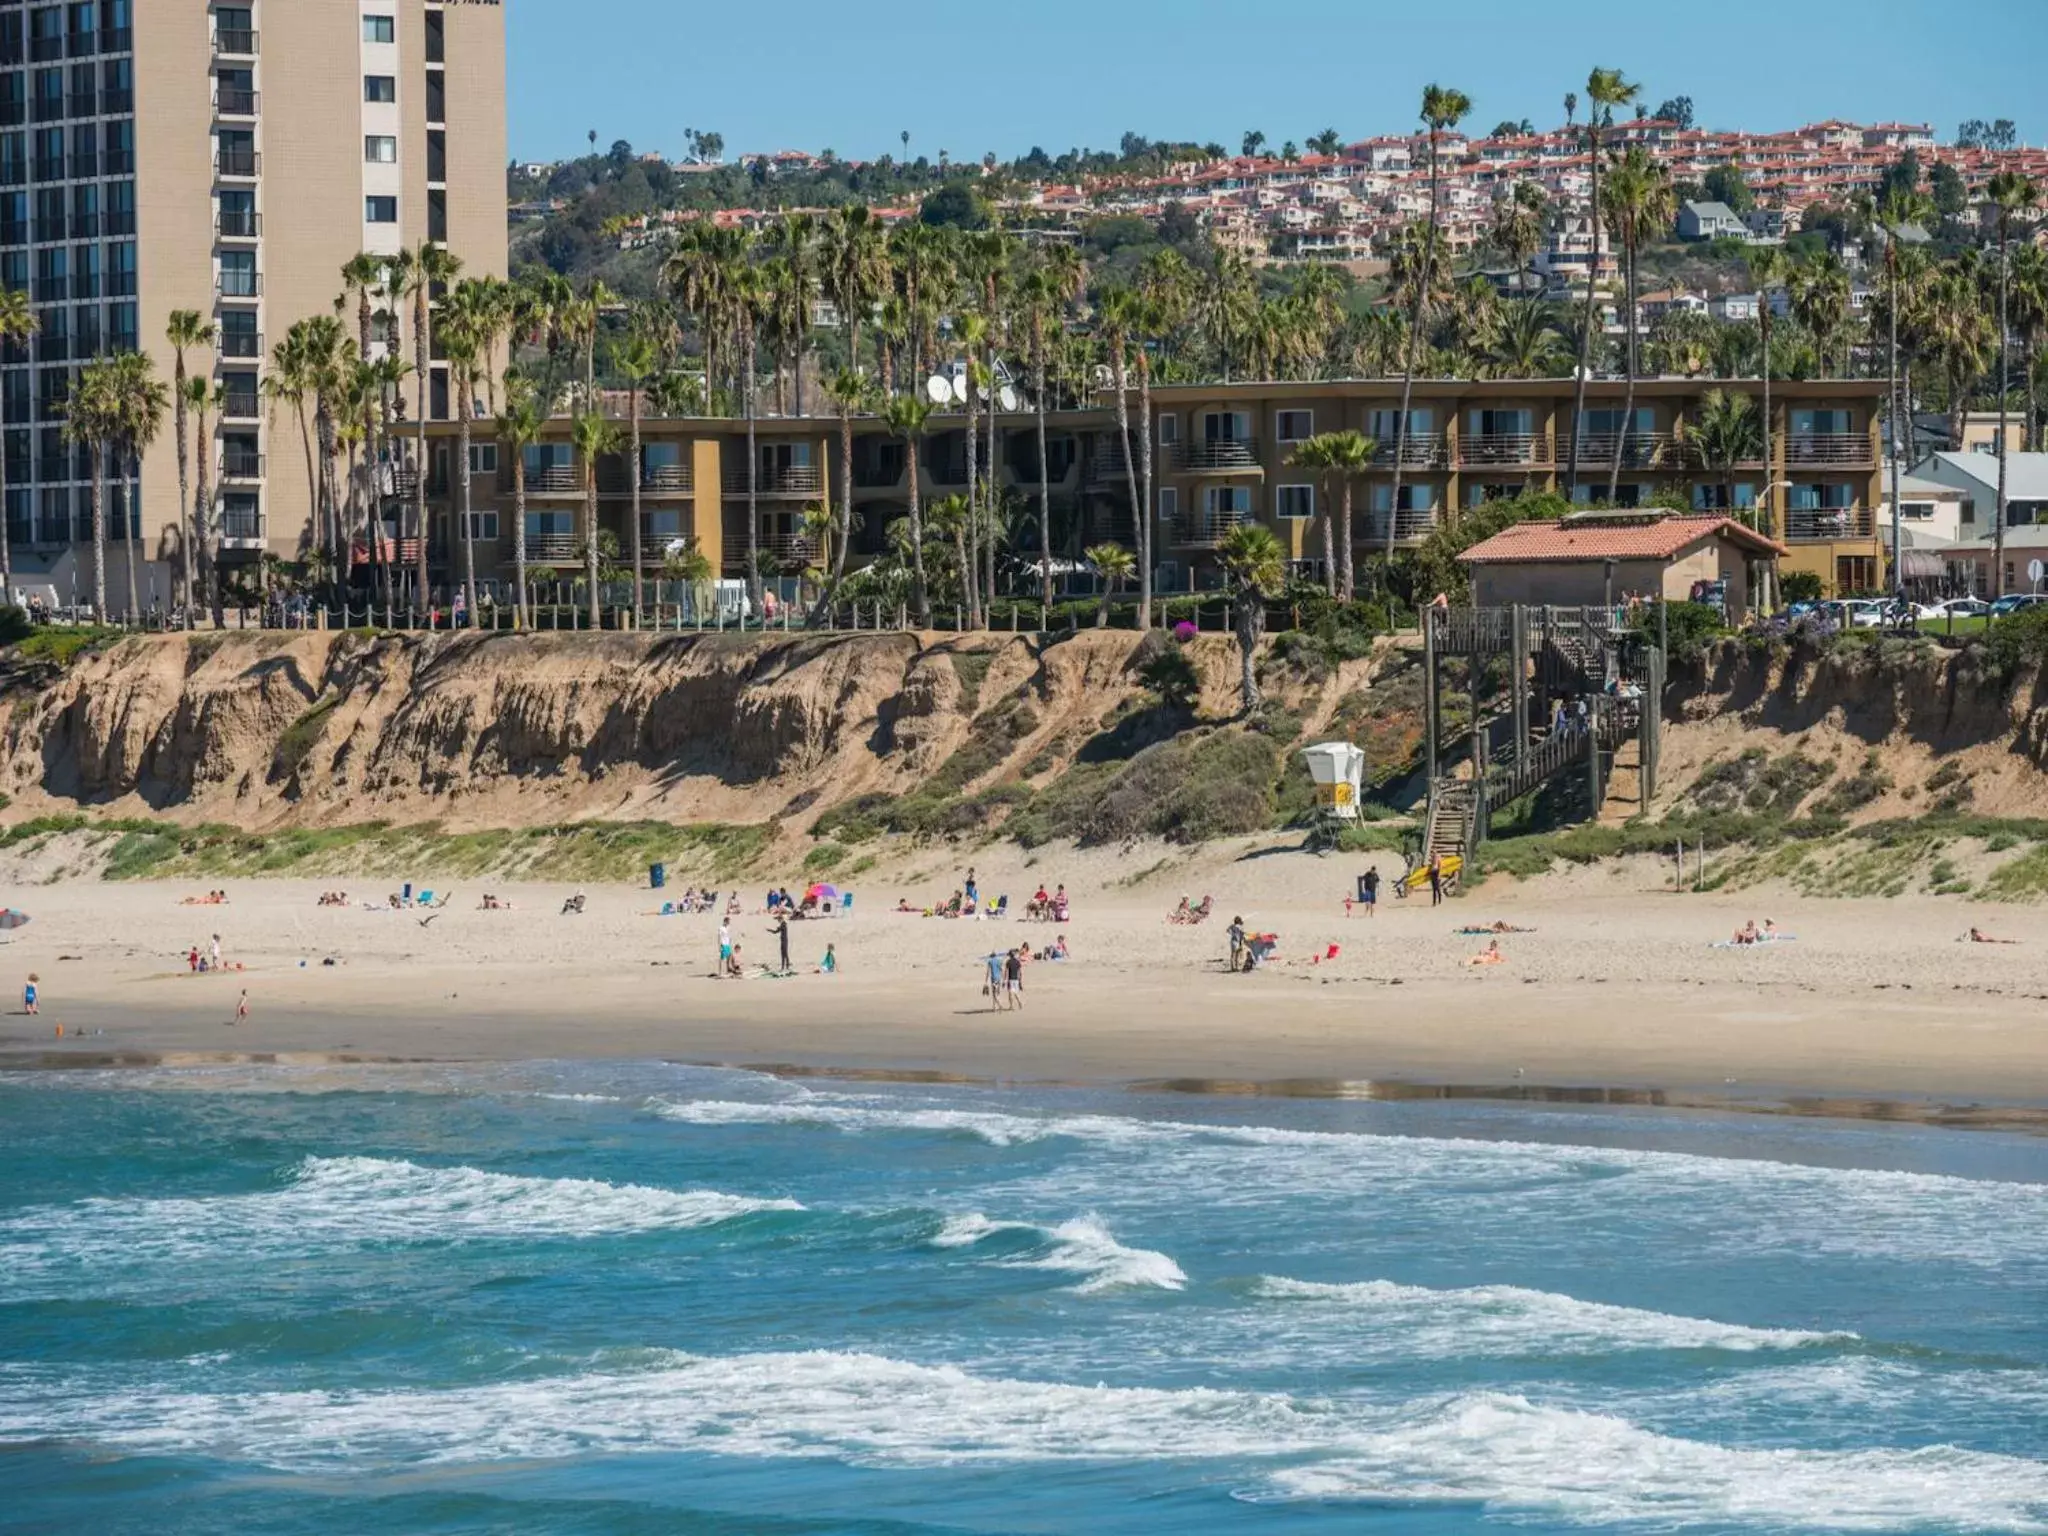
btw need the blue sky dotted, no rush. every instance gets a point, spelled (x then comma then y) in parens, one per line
(969, 78)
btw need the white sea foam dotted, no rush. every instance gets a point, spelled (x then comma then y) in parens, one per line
(345, 1201)
(1084, 1246)
(856, 1116)
(1497, 1320)
(1509, 1455)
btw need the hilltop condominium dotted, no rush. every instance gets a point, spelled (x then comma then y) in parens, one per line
(158, 155)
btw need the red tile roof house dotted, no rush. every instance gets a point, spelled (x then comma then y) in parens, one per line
(1593, 558)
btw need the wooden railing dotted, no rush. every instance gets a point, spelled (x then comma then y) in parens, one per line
(1808, 525)
(1829, 448)
(1221, 455)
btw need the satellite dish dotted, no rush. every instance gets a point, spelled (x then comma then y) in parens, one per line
(1006, 397)
(938, 389)
(959, 391)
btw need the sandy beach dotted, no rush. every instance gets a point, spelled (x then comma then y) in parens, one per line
(1620, 987)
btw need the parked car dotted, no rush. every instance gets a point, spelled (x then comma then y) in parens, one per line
(1955, 607)
(2013, 602)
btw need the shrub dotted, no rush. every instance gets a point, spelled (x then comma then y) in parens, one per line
(1800, 586)
(14, 625)
(1173, 677)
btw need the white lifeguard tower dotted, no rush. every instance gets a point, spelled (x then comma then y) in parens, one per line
(1338, 769)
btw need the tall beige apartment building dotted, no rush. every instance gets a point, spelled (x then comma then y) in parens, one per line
(158, 155)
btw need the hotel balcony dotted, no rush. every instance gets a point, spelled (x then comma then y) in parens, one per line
(1639, 450)
(240, 344)
(241, 466)
(788, 549)
(784, 480)
(1419, 450)
(1410, 527)
(1205, 530)
(238, 224)
(1499, 449)
(241, 530)
(1219, 456)
(550, 480)
(1829, 448)
(236, 43)
(234, 101)
(1821, 525)
(238, 164)
(655, 480)
(1105, 465)
(553, 548)
(240, 285)
(241, 405)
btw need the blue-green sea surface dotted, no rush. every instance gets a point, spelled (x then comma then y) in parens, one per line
(625, 1298)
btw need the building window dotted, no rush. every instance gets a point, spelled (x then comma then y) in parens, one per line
(1294, 501)
(483, 459)
(483, 525)
(1227, 501)
(380, 29)
(380, 149)
(1169, 502)
(1414, 498)
(380, 88)
(1714, 498)
(380, 210)
(1169, 429)
(1226, 427)
(1295, 426)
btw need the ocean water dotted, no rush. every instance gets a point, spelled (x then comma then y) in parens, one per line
(637, 1298)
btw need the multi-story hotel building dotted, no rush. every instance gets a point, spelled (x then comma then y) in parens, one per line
(1222, 456)
(158, 155)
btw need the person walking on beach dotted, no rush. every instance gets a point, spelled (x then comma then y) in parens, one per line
(242, 1008)
(724, 946)
(216, 951)
(28, 995)
(1236, 944)
(1369, 889)
(993, 985)
(1013, 974)
(1436, 879)
(781, 932)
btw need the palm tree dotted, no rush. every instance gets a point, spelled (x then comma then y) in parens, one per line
(1338, 458)
(796, 244)
(187, 328)
(2028, 301)
(1254, 569)
(202, 395)
(1605, 90)
(1224, 303)
(1113, 563)
(949, 518)
(18, 322)
(1725, 432)
(290, 381)
(635, 362)
(971, 332)
(1900, 208)
(748, 298)
(464, 321)
(1639, 203)
(906, 416)
(850, 392)
(1047, 291)
(1119, 312)
(1526, 344)
(416, 275)
(520, 426)
(2015, 197)
(141, 402)
(1442, 108)
(1518, 229)
(90, 420)
(1820, 300)
(850, 269)
(1767, 269)
(595, 435)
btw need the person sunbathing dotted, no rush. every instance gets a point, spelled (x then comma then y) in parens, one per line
(1746, 934)
(903, 905)
(1201, 913)
(1978, 936)
(1181, 913)
(1490, 955)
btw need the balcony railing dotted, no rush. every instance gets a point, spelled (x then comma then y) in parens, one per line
(241, 405)
(240, 163)
(118, 162)
(82, 104)
(43, 50)
(1409, 526)
(1419, 450)
(85, 165)
(1829, 448)
(239, 465)
(776, 480)
(666, 479)
(1205, 530)
(1495, 448)
(85, 226)
(241, 343)
(116, 100)
(1639, 450)
(238, 224)
(241, 527)
(787, 549)
(1106, 463)
(235, 43)
(1810, 525)
(1222, 455)
(552, 480)
(234, 101)
(49, 167)
(552, 548)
